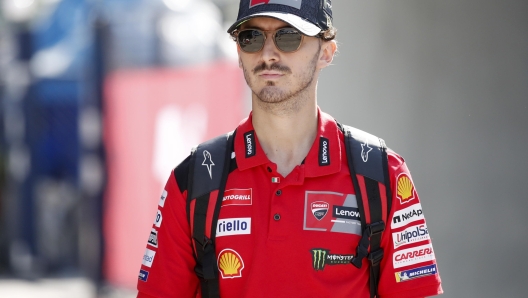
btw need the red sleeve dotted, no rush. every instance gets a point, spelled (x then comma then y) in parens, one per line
(408, 268)
(167, 268)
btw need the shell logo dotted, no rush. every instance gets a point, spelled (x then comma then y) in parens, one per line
(405, 188)
(230, 263)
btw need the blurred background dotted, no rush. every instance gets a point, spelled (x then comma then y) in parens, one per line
(100, 99)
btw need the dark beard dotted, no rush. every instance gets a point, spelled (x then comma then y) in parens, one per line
(272, 99)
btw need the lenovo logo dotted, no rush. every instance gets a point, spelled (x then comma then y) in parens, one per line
(249, 141)
(324, 152)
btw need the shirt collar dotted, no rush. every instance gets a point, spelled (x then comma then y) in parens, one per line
(324, 157)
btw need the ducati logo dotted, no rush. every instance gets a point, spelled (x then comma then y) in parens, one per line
(320, 209)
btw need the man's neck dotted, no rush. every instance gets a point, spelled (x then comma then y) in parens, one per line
(287, 138)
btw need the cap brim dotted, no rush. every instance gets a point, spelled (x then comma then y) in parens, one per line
(297, 22)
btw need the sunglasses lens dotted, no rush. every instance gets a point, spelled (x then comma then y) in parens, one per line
(288, 39)
(251, 41)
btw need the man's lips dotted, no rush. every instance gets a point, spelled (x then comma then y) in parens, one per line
(270, 75)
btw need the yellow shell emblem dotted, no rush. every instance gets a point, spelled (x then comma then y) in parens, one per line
(230, 264)
(405, 189)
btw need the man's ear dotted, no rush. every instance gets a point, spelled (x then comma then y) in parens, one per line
(328, 50)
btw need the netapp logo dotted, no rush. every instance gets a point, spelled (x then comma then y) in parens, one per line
(153, 238)
(249, 138)
(346, 212)
(233, 226)
(324, 156)
(407, 215)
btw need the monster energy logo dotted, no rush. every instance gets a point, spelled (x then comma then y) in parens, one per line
(322, 257)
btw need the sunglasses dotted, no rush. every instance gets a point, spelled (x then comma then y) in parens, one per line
(287, 40)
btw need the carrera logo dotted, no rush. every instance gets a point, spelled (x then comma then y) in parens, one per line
(407, 215)
(249, 140)
(415, 273)
(292, 3)
(237, 197)
(324, 157)
(410, 235)
(413, 256)
(230, 263)
(405, 189)
(319, 209)
(233, 226)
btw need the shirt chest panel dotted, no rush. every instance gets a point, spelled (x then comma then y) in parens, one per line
(281, 225)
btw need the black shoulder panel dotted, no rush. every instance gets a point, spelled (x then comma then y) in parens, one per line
(181, 173)
(366, 153)
(208, 165)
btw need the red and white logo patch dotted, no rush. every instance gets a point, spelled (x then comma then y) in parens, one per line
(319, 209)
(237, 197)
(292, 3)
(413, 255)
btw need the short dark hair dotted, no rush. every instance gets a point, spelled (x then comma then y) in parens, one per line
(329, 34)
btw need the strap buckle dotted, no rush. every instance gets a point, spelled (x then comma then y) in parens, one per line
(375, 257)
(375, 228)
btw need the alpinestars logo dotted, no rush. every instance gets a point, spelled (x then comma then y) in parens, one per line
(365, 149)
(322, 257)
(292, 3)
(319, 209)
(208, 162)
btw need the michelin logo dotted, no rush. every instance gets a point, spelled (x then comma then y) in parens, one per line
(415, 273)
(233, 226)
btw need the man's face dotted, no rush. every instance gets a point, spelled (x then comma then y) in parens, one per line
(274, 76)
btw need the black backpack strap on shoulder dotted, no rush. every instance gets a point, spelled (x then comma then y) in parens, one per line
(209, 168)
(368, 164)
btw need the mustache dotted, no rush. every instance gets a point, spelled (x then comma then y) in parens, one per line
(274, 66)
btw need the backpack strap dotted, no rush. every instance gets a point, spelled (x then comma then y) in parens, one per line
(368, 165)
(209, 166)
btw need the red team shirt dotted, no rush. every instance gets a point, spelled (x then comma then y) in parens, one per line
(292, 236)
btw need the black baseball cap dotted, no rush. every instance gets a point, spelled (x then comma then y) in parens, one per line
(308, 16)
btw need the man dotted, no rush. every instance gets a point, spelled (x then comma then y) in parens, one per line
(276, 235)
